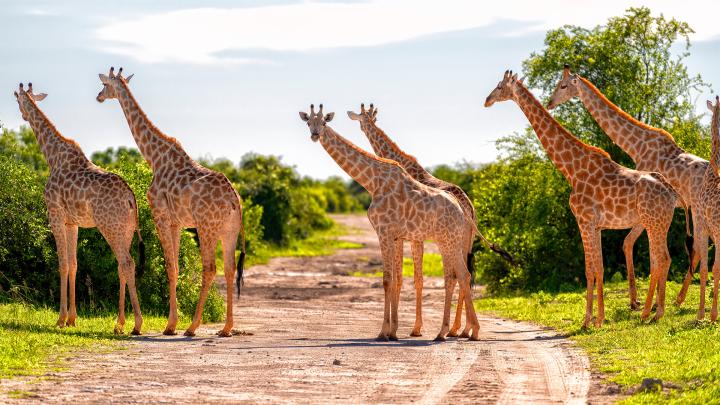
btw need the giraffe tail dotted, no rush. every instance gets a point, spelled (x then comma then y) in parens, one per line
(495, 248)
(240, 280)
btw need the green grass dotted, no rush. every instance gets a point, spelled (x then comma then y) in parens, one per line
(432, 266)
(677, 349)
(31, 344)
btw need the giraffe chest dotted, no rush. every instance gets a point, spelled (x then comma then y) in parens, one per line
(71, 202)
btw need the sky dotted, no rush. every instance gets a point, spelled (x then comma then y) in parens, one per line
(228, 77)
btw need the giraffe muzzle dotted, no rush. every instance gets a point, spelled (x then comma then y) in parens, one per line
(488, 102)
(314, 137)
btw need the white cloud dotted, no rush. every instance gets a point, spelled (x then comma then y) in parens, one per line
(198, 35)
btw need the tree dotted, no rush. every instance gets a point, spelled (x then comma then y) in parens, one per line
(638, 62)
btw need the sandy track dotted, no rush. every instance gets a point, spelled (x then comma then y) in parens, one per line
(306, 313)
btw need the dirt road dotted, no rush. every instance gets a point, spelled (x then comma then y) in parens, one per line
(313, 342)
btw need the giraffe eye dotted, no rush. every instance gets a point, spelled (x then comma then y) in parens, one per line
(564, 86)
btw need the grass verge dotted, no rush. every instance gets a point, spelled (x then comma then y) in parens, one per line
(31, 344)
(679, 350)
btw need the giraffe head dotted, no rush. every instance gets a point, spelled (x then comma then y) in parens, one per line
(566, 88)
(505, 90)
(316, 121)
(715, 109)
(110, 84)
(366, 116)
(27, 98)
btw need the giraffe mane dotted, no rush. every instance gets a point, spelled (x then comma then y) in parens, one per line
(52, 127)
(396, 147)
(364, 152)
(152, 128)
(622, 113)
(563, 130)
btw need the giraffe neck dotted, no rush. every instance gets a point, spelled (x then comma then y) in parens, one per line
(368, 170)
(386, 148)
(636, 138)
(157, 148)
(567, 152)
(715, 135)
(59, 152)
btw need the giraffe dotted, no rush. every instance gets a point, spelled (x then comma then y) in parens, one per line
(604, 195)
(651, 149)
(402, 209)
(184, 194)
(386, 148)
(709, 199)
(80, 194)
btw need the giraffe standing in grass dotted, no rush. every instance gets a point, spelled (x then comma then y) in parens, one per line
(709, 199)
(402, 209)
(184, 194)
(651, 149)
(386, 148)
(604, 195)
(80, 194)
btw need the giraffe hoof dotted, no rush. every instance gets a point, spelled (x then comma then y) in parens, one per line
(223, 333)
(118, 330)
(453, 333)
(70, 322)
(415, 334)
(169, 332)
(634, 306)
(136, 332)
(440, 338)
(465, 334)
(394, 338)
(189, 333)
(381, 338)
(474, 338)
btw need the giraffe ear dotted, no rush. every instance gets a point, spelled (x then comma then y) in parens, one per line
(15, 93)
(304, 116)
(353, 116)
(710, 105)
(104, 78)
(127, 79)
(329, 116)
(39, 97)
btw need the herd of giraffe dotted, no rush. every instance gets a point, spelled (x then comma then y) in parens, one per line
(408, 203)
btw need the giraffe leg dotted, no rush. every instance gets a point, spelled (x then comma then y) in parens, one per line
(169, 236)
(229, 242)
(472, 327)
(57, 225)
(120, 324)
(449, 268)
(654, 276)
(120, 242)
(716, 280)
(702, 249)
(387, 247)
(417, 254)
(72, 235)
(208, 242)
(397, 270)
(663, 263)
(593, 261)
(458, 316)
(700, 243)
(628, 245)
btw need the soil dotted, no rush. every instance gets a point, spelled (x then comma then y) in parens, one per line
(307, 335)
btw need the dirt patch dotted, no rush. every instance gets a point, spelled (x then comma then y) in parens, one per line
(306, 334)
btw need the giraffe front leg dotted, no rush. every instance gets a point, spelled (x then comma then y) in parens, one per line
(169, 235)
(387, 247)
(417, 254)
(700, 243)
(593, 267)
(57, 226)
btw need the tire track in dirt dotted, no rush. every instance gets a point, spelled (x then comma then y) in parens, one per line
(306, 314)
